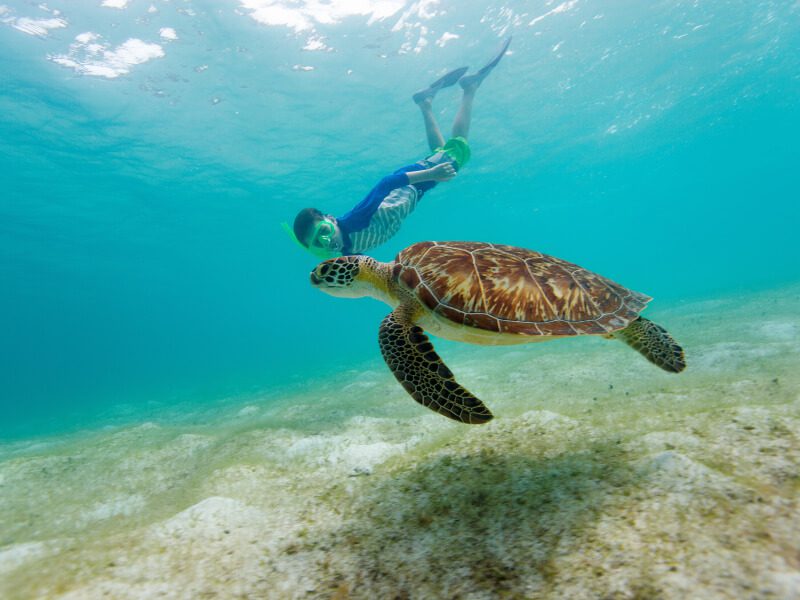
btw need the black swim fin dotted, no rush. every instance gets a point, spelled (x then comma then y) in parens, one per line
(444, 81)
(481, 73)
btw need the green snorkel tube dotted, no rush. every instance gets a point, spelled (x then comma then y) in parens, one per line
(319, 252)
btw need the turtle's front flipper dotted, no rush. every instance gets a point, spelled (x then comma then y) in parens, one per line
(654, 343)
(411, 357)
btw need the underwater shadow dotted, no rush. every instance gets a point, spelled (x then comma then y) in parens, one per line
(489, 524)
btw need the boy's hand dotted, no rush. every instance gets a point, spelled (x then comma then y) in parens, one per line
(442, 172)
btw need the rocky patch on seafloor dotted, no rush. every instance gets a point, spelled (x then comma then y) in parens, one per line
(599, 478)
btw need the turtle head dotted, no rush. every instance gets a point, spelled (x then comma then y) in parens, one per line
(348, 277)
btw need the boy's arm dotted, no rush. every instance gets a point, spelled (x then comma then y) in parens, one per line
(441, 172)
(359, 216)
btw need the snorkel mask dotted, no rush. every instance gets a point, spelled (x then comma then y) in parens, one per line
(319, 243)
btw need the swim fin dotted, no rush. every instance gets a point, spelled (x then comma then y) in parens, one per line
(481, 74)
(444, 81)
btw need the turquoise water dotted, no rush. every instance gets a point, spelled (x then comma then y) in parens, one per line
(181, 414)
(141, 256)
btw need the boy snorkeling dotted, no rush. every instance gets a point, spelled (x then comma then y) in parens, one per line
(379, 215)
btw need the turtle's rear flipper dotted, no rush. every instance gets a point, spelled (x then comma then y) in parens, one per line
(655, 344)
(411, 357)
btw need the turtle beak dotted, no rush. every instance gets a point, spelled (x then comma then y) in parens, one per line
(315, 281)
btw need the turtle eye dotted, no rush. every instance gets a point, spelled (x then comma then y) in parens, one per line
(323, 269)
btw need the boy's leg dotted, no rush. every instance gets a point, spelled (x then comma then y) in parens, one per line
(435, 138)
(464, 115)
(424, 99)
(470, 85)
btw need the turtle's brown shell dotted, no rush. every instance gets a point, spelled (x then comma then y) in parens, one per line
(513, 290)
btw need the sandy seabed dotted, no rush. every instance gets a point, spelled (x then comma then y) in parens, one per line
(600, 477)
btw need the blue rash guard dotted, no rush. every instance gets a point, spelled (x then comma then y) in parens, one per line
(379, 215)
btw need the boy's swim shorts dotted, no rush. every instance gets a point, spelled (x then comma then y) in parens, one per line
(458, 149)
(455, 149)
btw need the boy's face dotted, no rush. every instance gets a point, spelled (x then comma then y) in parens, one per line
(325, 238)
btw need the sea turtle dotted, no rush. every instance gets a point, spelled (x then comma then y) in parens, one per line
(487, 294)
